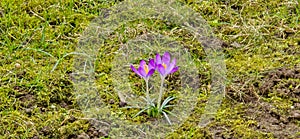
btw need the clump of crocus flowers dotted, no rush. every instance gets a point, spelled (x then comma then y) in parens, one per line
(165, 66)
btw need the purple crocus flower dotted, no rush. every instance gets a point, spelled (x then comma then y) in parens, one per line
(144, 70)
(164, 64)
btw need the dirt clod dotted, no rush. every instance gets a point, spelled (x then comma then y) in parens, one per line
(83, 136)
(46, 130)
(35, 137)
(295, 115)
(282, 81)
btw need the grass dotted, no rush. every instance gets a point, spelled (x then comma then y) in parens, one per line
(261, 46)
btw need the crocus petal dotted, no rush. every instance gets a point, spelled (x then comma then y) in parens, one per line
(174, 70)
(142, 63)
(171, 66)
(150, 72)
(152, 64)
(133, 69)
(158, 59)
(161, 70)
(166, 58)
(142, 72)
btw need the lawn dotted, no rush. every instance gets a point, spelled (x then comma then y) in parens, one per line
(44, 45)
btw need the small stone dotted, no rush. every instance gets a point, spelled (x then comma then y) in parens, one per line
(111, 101)
(295, 114)
(28, 111)
(17, 65)
(95, 133)
(53, 106)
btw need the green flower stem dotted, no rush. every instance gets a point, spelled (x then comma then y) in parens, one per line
(147, 92)
(160, 92)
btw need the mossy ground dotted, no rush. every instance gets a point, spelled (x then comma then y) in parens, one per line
(261, 41)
